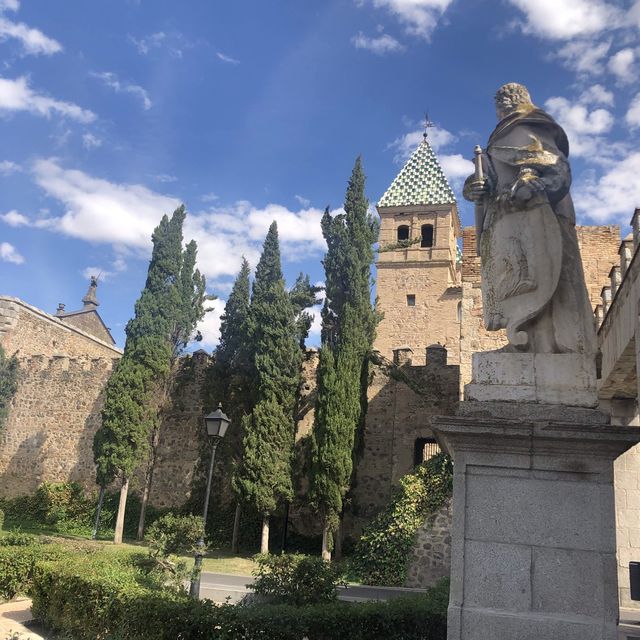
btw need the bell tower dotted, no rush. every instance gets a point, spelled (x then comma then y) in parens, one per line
(418, 279)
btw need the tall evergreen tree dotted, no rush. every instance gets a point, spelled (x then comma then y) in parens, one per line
(232, 373)
(348, 330)
(303, 295)
(140, 385)
(263, 478)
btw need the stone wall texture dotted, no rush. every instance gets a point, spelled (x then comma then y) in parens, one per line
(430, 558)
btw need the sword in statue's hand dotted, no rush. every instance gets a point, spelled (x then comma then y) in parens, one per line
(479, 204)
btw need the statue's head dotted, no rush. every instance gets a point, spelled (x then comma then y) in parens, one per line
(512, 97)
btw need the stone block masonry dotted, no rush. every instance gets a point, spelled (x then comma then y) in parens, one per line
(52, 421)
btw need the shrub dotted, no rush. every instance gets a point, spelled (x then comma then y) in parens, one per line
(174, 534)
(115, 605)
(295, 579)
(62, 502)
(1, 519)
(17, 563)
(382, 552)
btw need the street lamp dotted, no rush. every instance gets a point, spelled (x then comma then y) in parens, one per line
(217, 424)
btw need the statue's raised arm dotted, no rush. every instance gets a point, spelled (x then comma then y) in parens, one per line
(532, 279)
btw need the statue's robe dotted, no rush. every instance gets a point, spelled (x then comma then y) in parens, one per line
(533, 281)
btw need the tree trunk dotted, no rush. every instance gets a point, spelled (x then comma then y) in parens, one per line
(117, 538)
(148, 479)
(337, 542)
(326, 553)
(264, 544)
(236, 529)
(96, 525)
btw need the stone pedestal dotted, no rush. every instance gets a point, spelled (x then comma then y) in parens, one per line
(552, 378)
(533, 549)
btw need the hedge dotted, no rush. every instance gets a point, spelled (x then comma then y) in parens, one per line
(87, 600)
(17, 563)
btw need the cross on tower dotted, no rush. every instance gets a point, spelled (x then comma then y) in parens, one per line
(427, 125)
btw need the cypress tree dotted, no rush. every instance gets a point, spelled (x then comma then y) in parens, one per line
(302, 296)
(263, 478)
(169, 306)
(230, 379)
(348, 330)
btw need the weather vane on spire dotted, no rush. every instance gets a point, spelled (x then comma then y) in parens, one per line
(427, 125)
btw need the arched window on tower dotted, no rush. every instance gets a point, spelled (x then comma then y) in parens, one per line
(403, 232)
(427, 235)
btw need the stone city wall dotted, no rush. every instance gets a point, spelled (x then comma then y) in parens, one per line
(51, 423)
(28, 331)
(402, 401)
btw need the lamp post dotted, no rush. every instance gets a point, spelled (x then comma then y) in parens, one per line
(216, 423)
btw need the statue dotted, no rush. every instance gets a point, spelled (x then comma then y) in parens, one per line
(532, 278)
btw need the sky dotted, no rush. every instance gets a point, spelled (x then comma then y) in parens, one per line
(113, 112)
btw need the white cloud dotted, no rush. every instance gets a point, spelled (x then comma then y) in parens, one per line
(209, 326)
(99, 210)
(144, 45)
(567, 19)
(89, 141)
(379, 45)
(209, 197)
(597, 94)
(164, 178)
(7, 167)
(305, 202)
(225, 58)
(125, 215)
(111, 80)
(585, 57)
(16, 95)
(420, 17)
(456, 167)
(584, 128)
(633, 114)
(621, 65)
(15, 219)
(33, 41)
(613, 196)
(8, 253)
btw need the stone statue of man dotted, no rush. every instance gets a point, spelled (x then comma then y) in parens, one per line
(532, 278)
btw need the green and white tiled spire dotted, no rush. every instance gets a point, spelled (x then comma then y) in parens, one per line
(420, 182)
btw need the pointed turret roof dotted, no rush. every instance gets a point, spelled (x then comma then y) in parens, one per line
(420, 182)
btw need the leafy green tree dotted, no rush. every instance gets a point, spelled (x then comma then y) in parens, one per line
(348, 329)
(8, 384)
(169, 306)
(264, 476)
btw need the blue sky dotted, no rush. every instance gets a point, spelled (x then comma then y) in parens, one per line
(112, 112)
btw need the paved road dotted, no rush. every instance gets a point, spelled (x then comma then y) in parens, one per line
(217, 586)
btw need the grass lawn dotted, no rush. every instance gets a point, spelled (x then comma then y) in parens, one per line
(216, 561)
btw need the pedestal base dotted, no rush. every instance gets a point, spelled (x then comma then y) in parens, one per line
(551, 378)
(533, 540)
